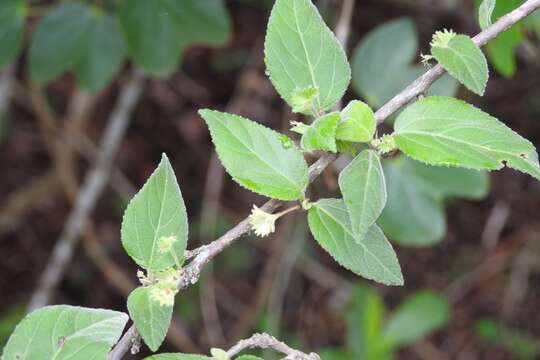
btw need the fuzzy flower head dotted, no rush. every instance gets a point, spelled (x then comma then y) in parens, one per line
(165, 243)
(169, 277)
(219, 354)
(442, 38)
(262, 222)
(163, 294)
(303, 99)
(385, 144)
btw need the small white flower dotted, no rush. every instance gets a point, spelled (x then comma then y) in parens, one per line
(426, 59)
(219, 354)
(262, 222)
(165, 243)
(143, 279)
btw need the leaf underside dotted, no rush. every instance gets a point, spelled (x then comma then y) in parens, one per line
(449, 132)
(364, 191)
(177, 25)
(302, 52)
(256, 157)
(383, 63)
(11, 29)
(73, 37)
(156, 211)
(64, 332)
(151, 319)
(357, 123)
(464, 60)
(414, 214)
(372, 258)
(321, 135)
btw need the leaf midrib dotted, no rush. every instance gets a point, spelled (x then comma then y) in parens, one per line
(263, 160)
(366, 249)
(154, 242)
(432, 134)
(310, 66)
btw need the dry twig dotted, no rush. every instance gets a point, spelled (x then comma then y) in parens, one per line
(91, 189)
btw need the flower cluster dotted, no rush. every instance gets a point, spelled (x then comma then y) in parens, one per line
(164, 285)
(262, 222)
(165, 243)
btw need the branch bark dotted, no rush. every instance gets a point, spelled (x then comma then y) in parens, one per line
(265, 341)
(422, 84)
(204, 254)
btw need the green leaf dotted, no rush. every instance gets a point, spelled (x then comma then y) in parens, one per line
(57, 43)
(177, 356)
(444, 182)
(12, 16)
(248, 357)
(449, 132)
(302, 52)
(414, 214)
(321, 135)
(256, 157)
(76, 37)
(462, 58)
(520, 344)
(358, 123)
(9, 319)
(382, 63)
(532, 22)
(501, 49)
(364, 192)
(346, 147)
(177, 24)
(155, 212)
(485, 12)
(151, 319)
(372, 258)
(421, 314)
(205, 22)
(333, 354)
(65, 332)
(364, 317)
(103, 52)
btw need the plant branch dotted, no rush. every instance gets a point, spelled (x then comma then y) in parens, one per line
(91, 189)
(204, 254)
(422, 84)
(265, 341)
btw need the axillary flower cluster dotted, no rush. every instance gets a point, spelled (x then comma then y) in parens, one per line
(263, 223)
(163, 284)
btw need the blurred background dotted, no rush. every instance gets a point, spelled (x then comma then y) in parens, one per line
(91, 94)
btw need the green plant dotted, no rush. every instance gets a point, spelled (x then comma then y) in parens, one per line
(309, 69)
(93, 42)
(501, 51)
(373, 334)
(520, 344)
(414, 214)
